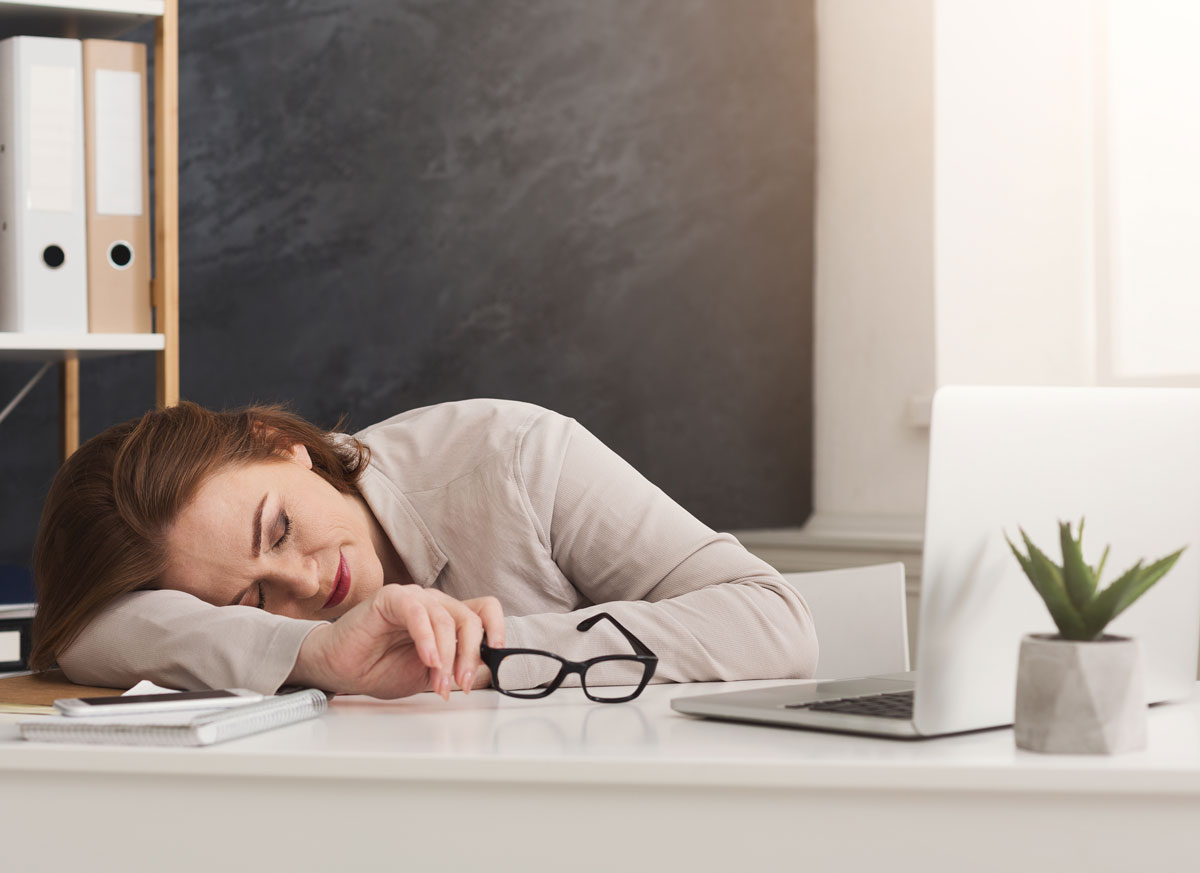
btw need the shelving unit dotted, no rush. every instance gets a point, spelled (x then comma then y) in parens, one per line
(98, 19)
(110, 19)
(63, 346)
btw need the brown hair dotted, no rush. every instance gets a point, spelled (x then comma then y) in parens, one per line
(103, 528)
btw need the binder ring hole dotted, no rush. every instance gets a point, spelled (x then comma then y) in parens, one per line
(53, 256)
(120, 255)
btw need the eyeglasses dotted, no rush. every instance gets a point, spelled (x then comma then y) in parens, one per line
(605, 679)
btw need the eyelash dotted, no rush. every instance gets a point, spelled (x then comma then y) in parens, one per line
(287, 529)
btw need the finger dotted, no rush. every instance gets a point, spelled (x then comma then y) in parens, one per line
(445, 630)
(415, 620)
(470, 635)
(492, 615)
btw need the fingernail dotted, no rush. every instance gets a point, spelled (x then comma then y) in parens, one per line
(464, 682)
(431, 657)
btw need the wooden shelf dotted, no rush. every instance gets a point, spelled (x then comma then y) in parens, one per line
(73, 346)
(108, 19)
(79, 19)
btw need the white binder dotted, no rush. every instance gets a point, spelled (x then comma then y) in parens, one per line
(43, 255)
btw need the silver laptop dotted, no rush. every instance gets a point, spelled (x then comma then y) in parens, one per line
(1126, 459)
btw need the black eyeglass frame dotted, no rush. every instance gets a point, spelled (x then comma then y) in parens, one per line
(645, 657)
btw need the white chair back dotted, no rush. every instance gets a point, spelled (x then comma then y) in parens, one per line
(860, 617)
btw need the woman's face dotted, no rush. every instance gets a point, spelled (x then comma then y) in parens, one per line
(275, 534)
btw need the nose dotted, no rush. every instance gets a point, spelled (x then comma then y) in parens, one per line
(295, 577)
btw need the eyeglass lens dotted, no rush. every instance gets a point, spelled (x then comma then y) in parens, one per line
(611, 680)
(521, 671)
(606, 680)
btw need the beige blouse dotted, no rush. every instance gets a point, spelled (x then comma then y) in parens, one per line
(494, 497)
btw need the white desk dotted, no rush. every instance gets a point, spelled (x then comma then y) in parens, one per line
(487, 783)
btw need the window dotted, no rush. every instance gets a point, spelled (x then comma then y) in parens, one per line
(1148, 192)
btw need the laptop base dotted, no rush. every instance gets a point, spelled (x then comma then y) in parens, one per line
(779, 705)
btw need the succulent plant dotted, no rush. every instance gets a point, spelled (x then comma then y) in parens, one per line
(1071, 590)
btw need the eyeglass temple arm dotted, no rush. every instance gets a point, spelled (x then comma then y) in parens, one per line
(640, 647)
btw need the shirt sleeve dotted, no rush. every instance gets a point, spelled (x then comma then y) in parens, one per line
(179, 641)
(705, 605)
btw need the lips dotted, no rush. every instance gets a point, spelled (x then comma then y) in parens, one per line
(341, 584)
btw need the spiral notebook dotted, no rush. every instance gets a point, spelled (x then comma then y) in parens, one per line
(183, 728)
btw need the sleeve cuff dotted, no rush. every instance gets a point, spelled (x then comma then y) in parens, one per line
(276, 655)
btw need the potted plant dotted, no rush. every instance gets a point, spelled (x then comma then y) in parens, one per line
(1081, 690)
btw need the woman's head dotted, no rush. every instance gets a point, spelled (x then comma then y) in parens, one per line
(152, 503)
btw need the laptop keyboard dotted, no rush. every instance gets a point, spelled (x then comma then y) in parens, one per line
(894, 704)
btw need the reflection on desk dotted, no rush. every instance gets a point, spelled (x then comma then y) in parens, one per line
(487, 781)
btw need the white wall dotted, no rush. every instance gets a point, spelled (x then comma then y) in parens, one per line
(873, 288)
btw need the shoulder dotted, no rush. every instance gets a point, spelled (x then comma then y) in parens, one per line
(432, 445)
(480, 420)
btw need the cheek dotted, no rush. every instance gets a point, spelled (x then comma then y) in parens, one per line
(368, 578)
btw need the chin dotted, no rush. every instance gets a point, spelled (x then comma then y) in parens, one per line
(360, 590)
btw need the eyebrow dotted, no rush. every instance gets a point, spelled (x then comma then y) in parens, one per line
(258, 513)
(256, 549)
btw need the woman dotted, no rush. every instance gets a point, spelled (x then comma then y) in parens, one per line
(252, 549)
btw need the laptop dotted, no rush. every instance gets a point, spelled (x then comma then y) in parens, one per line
(1126, 459)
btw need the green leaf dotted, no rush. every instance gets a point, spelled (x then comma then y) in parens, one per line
(1047, 578)
(1120, 595)
(1080, 583)
(1102, 610)
(1096, 573)
(1021, 559)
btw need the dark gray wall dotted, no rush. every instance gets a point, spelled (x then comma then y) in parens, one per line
(601, 206)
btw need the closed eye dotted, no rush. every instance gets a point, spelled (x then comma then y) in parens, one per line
(287, 529)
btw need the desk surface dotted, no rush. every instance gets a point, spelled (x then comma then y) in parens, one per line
(485, 736)
(488, 782)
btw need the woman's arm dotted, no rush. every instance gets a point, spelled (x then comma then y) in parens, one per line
(402, 640)
(707, 607)
(179, 641)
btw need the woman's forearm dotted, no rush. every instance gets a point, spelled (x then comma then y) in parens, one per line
(756, 629)
(179, 641)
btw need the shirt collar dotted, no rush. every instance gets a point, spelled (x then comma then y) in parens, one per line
(411, 537)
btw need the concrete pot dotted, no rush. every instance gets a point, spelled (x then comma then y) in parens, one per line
(1080, 698)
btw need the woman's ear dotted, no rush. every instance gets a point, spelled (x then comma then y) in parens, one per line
(299, 453)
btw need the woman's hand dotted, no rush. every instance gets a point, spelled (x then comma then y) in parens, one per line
(402, 640)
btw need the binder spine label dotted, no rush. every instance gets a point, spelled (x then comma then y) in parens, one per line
(52, 138)
(118, 142)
